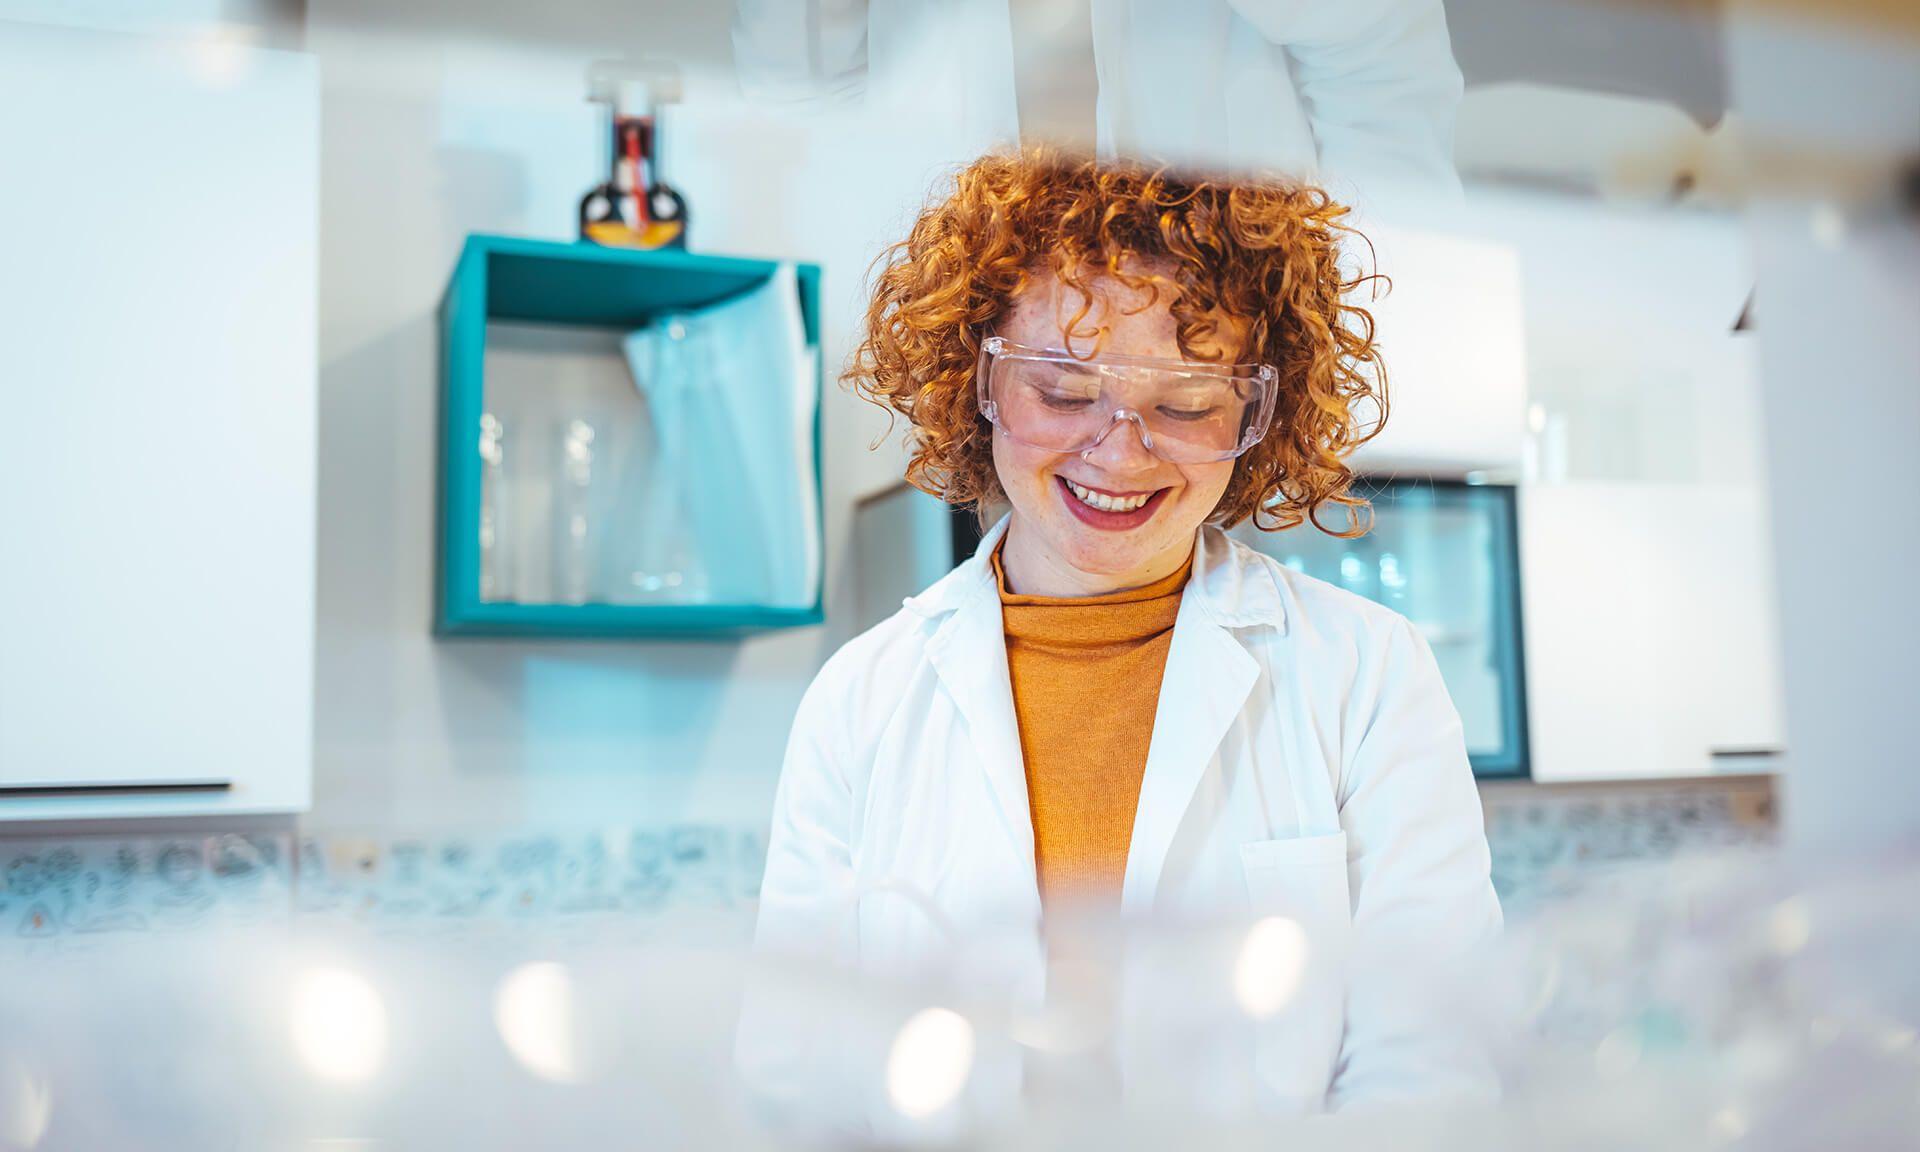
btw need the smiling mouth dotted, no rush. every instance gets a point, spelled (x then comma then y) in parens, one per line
(1108, 501)
(1110, 511)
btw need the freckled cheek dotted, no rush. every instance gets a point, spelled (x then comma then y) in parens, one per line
(1023, 470)
(1201, 492)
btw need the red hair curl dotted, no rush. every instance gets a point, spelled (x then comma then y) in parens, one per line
(1264, 252)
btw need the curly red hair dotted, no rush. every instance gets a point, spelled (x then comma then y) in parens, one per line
(1263, 252)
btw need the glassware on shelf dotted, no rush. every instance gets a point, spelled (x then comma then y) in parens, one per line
(495, 578)
(658, 558)
(576, 530)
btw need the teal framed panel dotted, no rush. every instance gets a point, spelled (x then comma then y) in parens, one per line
(510, 278)
(1445, 554)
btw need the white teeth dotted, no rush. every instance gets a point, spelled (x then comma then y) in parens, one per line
(1106, 503)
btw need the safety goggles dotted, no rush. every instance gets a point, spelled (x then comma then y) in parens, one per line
(1185, 412)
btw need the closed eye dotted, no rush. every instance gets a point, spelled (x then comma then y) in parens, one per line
(1063, 402)
(1063, 391)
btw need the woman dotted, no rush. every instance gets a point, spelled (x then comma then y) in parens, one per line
(1112, 703)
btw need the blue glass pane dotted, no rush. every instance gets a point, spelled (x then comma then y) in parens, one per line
(1442, 555)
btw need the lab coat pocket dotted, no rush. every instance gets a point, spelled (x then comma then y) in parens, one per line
(1299, 852)
(1292, 968)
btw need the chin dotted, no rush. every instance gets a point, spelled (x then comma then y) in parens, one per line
(1106, 557)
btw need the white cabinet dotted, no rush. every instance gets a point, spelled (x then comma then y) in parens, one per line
(1650, 642)
(1451, 332)
(157, 426)
(1647, 570)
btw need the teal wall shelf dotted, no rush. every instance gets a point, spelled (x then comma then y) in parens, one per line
(504, 278)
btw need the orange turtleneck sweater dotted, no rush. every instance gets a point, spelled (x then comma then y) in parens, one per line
(1086, 677)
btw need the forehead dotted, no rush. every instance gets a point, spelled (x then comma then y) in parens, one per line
(1120, 319)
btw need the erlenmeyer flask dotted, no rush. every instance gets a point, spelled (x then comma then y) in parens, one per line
(661, 563)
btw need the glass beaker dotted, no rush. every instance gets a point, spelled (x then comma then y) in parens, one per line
(576, 531)
(495, 575)
(659, 558)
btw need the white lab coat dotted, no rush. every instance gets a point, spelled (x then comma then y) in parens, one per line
(1305, 762)
(1360, 95)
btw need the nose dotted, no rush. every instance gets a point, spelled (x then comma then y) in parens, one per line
(1119, 449)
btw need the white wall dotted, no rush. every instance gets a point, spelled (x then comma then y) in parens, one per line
(142, 16)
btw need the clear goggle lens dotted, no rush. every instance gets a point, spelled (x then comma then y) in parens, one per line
(1185, 412)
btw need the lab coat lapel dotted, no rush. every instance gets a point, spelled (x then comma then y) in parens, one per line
(970, 655)
(1208, 676)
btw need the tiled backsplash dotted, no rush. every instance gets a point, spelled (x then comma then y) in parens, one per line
(631, 871)
(1542, 835)
(65, 892)
(103, 887)
(94, 889)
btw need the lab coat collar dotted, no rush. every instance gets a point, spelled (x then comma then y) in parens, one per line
(1231, 583)
(969, 651)
(1209, 674)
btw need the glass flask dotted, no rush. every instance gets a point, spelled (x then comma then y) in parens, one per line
(495, 576)
(575, 528)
